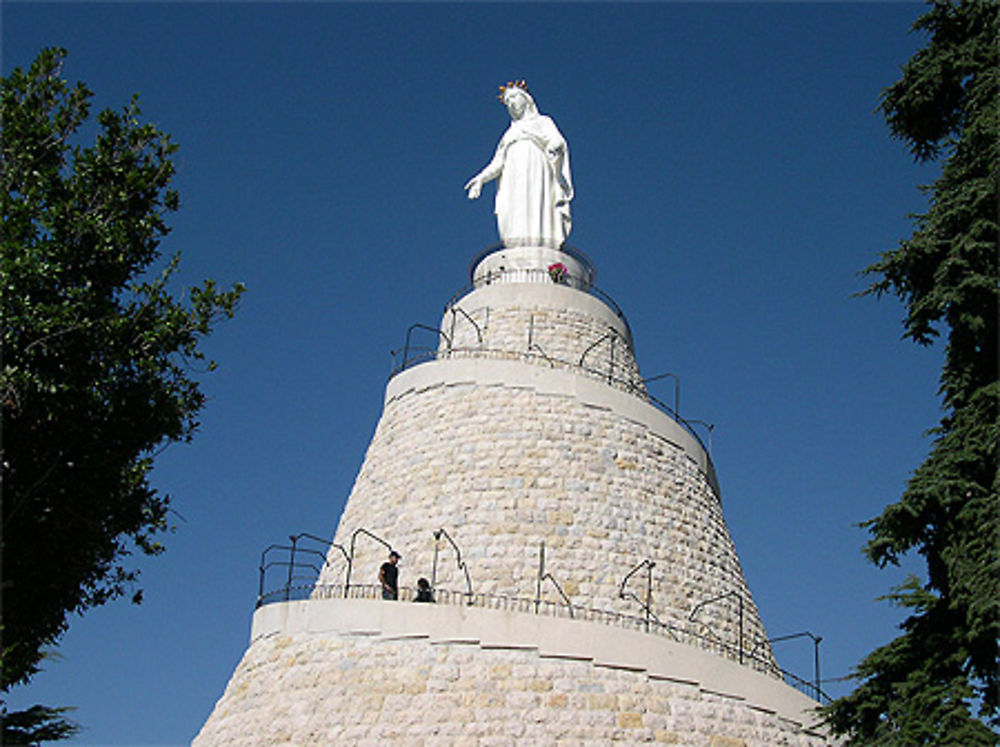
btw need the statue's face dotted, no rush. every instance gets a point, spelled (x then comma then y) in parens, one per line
(516, 103)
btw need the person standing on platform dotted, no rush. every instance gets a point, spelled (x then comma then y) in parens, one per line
(388, 576)
(424, 591)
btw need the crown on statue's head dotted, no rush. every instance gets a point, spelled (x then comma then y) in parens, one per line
(523, 85)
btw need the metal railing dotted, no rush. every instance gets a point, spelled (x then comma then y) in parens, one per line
(302, 575)
(407, 346)
(560, 609)
(612, 334)
(415, 356)
(543, 576)
(539, 275)
(455, 310)
(647, 606)
(350, 556)
(677, 388)
(739, 599)
(291, 561)
(462, 565)
(816, 639)
(575, 253)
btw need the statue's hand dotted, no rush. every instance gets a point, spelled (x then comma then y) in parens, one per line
(474, 186)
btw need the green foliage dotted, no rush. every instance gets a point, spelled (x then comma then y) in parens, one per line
(921, 688)
(97, 354)
(36, 725)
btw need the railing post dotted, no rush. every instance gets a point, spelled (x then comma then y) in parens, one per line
(677, 389)
(566, 599)
(709, 427)
(541, 574)
(406, 346)
(649, 591)
(350, 568)
(591, 347)
(350, 558)
(740, 597)
(291, 568)
(611, 360)
(463, 566)
(816, 640)
(454, 313)
(434, 567)
(260, 586)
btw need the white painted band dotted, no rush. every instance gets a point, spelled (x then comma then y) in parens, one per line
(606, 646)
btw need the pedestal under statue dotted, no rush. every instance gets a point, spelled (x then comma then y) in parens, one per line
(531, 166)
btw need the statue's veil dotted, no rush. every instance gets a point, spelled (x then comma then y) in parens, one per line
(532, 108)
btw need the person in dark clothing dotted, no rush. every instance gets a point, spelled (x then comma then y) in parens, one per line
(388, 576)
(424, 593)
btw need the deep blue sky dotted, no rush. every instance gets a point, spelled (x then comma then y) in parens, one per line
(732, 178)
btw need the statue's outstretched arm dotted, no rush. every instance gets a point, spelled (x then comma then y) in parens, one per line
(491, 171)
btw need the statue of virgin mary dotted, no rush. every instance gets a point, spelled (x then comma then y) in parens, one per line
(531, 166)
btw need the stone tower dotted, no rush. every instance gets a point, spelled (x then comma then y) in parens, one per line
(587, 589)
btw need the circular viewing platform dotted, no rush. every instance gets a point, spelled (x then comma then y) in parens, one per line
(532, 264)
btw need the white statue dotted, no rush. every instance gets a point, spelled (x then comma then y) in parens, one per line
(531, 166)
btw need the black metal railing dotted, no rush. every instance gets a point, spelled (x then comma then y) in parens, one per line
(306, 557)
(727, 595)
(407, 346)
(301, 562)
(647, 605)
(462, 565)
(413, 356)
(543, 576)
(559, 608)
(574, 252)
(539, 275)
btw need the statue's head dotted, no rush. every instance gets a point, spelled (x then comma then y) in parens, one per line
(517, 99)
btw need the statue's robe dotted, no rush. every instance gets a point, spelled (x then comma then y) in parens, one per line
(535, 187)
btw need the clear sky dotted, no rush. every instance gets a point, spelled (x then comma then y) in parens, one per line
(732, 177)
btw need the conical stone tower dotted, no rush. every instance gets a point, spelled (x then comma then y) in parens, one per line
(587, 589)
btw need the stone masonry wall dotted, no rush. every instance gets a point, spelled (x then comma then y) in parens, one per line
(506, 469)
(503, 469)
(545, 334)
(365, 690)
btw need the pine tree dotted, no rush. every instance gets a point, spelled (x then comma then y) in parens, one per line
(936, 683)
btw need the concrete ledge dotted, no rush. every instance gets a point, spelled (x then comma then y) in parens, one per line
(586, 390)
(531, 263)
(545, 296)
(556, 638)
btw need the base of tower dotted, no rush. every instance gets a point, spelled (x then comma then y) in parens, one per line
(330, 671)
